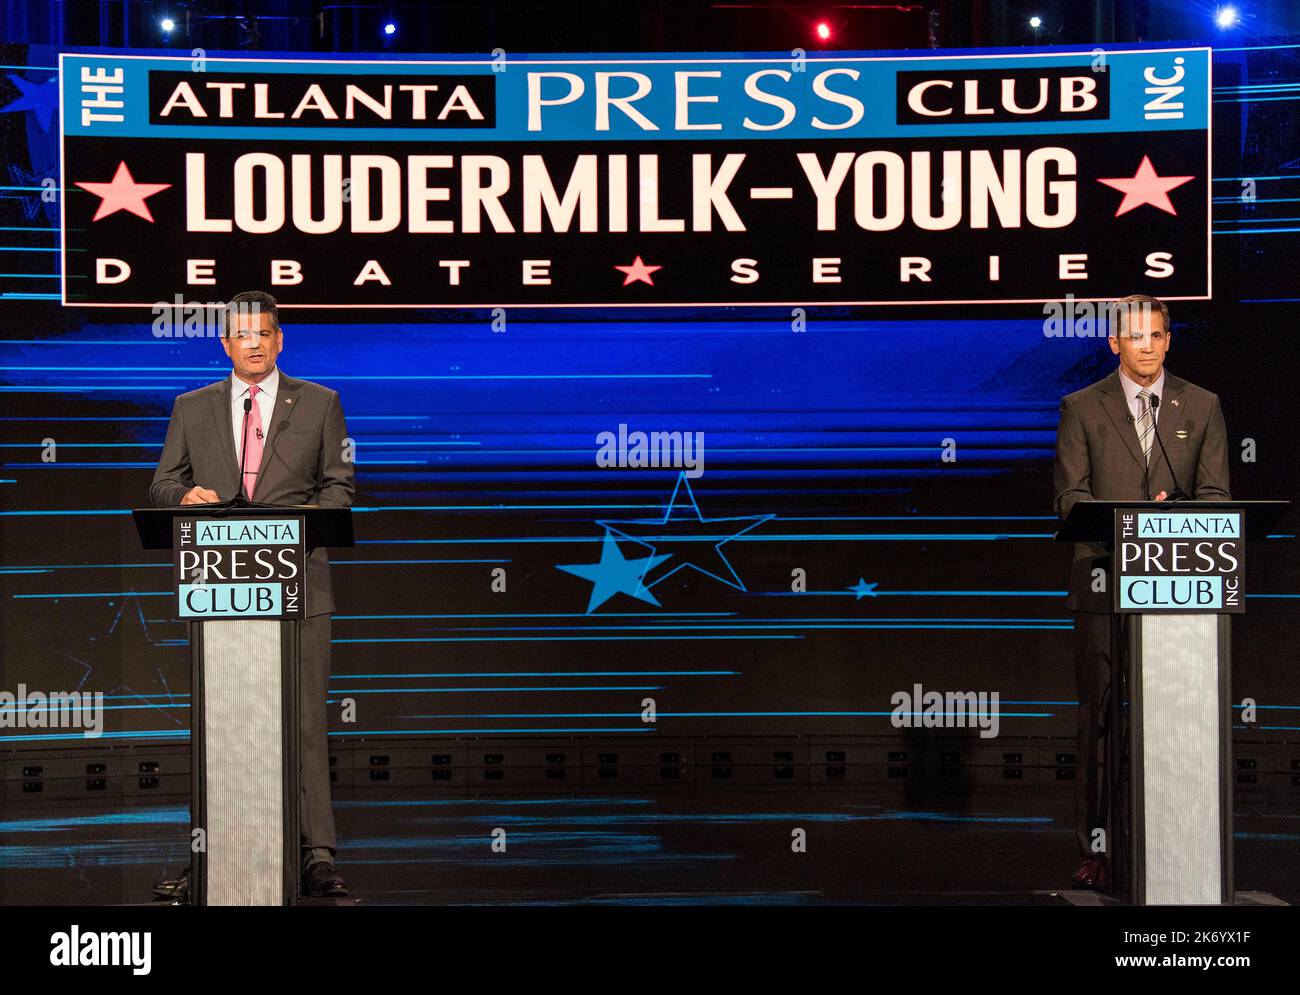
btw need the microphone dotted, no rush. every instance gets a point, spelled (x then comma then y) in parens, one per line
(1177, 494)
(243, 448)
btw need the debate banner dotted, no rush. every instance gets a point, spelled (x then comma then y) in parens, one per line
(710, 179)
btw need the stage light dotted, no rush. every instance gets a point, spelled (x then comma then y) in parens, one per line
(823, 31)
(1035, 22)
(390, 29)
(167, 24)
(1226, 17)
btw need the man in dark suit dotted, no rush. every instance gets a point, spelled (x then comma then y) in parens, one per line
(1107, 450)
(295, 438)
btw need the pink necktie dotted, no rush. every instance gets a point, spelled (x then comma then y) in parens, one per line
(253, 438)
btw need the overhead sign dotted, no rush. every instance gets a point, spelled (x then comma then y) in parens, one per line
(637, 180)
(1170, 562)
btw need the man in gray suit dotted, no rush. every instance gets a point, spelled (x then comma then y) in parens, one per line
(1107, 450)
(298, 458)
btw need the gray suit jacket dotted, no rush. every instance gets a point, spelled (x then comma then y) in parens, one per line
(1099, 458)
(302, 460)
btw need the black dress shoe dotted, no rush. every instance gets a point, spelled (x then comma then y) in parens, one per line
(321, 880)
(175, 889)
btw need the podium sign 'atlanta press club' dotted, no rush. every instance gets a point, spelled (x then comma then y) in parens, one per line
(240, 567)
(1169, 562)
(641, 181)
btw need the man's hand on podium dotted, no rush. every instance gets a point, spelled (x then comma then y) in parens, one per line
(200, 495)
(1159, 497)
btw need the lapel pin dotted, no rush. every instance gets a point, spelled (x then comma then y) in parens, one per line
(1181, 433)
(289, 400)
(1174, 402)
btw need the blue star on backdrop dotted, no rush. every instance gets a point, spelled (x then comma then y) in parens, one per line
(614, 574)
(863, 589)
(42, 99)
(685, 534)
(129, 637)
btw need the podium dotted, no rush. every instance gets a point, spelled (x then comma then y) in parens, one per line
(240, 576)
(1177, 577)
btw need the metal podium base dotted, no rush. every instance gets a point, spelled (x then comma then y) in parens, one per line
(1180, 726)
(244, 769)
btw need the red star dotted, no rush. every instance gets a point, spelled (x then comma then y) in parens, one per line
(1145, 187)
(123, 194)
(638, 271)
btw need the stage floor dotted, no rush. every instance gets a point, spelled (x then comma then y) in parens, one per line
(732, 847)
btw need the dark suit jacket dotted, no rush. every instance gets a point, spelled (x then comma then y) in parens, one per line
(1099, 458)
(302, 460)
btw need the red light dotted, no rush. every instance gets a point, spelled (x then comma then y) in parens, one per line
(823, 31)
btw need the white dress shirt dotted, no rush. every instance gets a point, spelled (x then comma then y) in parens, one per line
(1131, 389)
(265, 404)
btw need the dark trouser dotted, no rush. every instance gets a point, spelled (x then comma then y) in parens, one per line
(1092, 669)
(316, 818)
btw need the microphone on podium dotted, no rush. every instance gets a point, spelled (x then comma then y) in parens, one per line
(1177, 494)
(239, 497)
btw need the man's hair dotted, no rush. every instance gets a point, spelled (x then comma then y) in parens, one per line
(253, 303)
(1139, 303)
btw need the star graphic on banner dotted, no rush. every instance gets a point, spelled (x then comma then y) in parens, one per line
(1145, 187)
(42, 99)
(688, 536)
(614, 574)
(638, 271)
(123, 194)
(863, 590)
